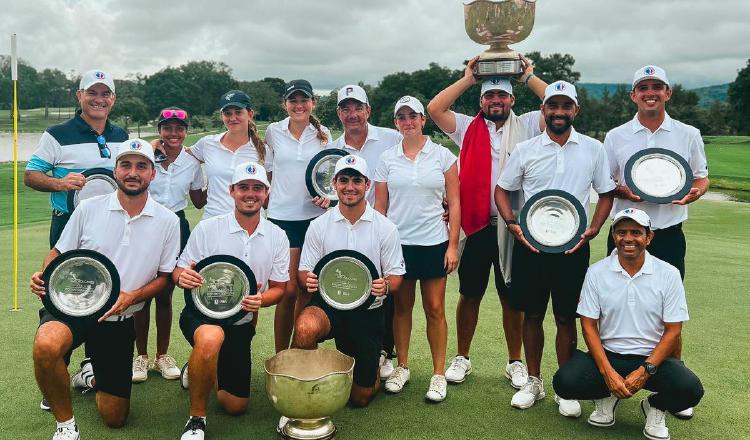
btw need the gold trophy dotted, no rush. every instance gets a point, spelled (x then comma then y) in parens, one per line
(499, 23)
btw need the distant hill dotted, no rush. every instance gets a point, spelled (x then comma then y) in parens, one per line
(707, 94)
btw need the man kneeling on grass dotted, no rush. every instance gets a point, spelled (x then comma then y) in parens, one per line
(632, 308)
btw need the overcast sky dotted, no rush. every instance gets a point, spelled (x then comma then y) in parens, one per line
(334, 42)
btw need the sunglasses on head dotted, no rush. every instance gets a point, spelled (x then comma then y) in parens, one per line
(178, 114)
(104, 151)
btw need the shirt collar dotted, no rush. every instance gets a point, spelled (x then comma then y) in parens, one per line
(285, 126)
(666, 124)
(646, 269)
(428, 146)
(148, 209)
(235, 227)
(574, 138)
(178, 162)
(366, 216)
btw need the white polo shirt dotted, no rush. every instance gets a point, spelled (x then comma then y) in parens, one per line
(266, 251)
(632, 311)
(139, 247)
(289, 198)
(540, 163)
(219, 163)
(415, 192)
(373, 235)
(530, 122)
(171, 186)
(379, 139)
(631, 137)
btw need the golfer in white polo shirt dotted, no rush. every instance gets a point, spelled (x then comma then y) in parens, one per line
(411, 182)
(141, 238)
(632, 309)
(352, 224)
(220, 359)
(558, 159)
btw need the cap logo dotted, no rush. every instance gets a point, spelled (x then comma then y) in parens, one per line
(135, 145)
(251, 169)
(349, 90)
(560, 87)
(229, 96)
(99, 75)
(405, 99)
(649, 70)
(350, 160)
(495, 81)
(629, 211)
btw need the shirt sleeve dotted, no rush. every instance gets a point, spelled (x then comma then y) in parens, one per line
(698, 161)
(614, 168)
(674, 302)
(512, 173)
(530, 120)
(312, 248)
(280, 266)
(199, 149)
(602, 182)
(588, 305)
(381, 171)
(192, 252)
(462, 124)
(391, 257)
(71, 235)
(447, 159)
(171, 249)
(46, 155)
(198, 182)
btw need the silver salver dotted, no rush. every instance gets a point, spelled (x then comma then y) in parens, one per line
(345, 282)
(99, 181)
(553, 220)
(224, 286)
(80, 286)
(658, 175)
(320, 173)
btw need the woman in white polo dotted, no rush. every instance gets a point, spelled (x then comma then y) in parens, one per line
(178, 175)
(292, 142)
(411, 181)
(221, 153)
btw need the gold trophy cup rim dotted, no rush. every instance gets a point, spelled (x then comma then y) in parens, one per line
(498, 44)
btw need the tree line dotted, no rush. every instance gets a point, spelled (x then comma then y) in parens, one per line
(196, 86)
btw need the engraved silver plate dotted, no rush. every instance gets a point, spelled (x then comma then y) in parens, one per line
(659, 176)
(345, 283)
(80, 286)
(320, 172)
(222, 291)
(99, 181)
(552, 221)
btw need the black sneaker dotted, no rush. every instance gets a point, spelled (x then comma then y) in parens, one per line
(44, 405)
(195, 429)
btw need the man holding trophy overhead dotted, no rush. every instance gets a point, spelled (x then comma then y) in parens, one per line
(486, 141)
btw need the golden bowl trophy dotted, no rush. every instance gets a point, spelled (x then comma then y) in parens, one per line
(499, 23)
(309, 386)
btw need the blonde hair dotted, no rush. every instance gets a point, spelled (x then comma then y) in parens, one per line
(260, 144)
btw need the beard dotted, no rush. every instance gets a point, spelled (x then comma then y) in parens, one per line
(559, 129)
(131, 192)
(497, 117)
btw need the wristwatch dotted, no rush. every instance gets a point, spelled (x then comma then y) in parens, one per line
(650, 368)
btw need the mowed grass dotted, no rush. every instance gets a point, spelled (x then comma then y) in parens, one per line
(729, 164)
(716, 343)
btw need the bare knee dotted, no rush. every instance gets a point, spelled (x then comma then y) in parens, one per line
(208, 341)
(232, 405)
(52, 341)
(113, 409)
(309, 328)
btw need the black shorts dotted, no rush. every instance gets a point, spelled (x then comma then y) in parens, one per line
(295, 230)
(424, 262)
(537, 276)
(359, 334)
(184, 229)
(56, 226)
(110, 346)
(480, 253)
(234, 366)
(668, 245)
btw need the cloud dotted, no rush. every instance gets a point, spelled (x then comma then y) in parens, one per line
(699, 42)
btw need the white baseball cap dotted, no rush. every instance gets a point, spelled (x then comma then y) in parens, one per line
(497, 83)
(411, 102)
(636, 215)
(351, 162)
(96, 76)
(560, 88)
(650, 72)
(250, 171)
(352, 91)
(136, 146)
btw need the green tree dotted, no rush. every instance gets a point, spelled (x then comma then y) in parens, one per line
(267, 96)
(131, 110)
(739, 100)
(716, 119)
(195, 86)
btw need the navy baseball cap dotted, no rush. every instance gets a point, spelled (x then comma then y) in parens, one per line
(298, 85)
(236, 98)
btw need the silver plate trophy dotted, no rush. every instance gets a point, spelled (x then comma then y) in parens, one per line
(345, 279)
(319, 174)
(81, 285)
(99, 181)
(658, 175)
(553, 221)
(499, 23)
(309, 386)
(226, 280)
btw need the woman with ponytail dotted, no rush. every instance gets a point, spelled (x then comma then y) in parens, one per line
(293, 142)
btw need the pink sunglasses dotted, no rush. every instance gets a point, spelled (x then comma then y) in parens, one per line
(179, 114)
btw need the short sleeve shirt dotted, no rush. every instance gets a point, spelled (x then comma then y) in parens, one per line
(632, 310)
(289, 198)
(530, 122)
(540, 163)
(139, 246)
(266, 250)
(170, 187)
(624, 141)
(378, 140)
(415, 192)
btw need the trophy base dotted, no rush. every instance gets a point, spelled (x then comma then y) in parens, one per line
(498, 67)
(304, 429)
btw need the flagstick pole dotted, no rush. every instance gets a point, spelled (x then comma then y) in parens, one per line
(14, 75)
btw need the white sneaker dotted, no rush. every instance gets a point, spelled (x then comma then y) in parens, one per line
(386, 366)
(685, 414)
(195, 429)
(459, 368)
(140, 369)
(184, 377)
(531, 391)
(166, 365)
(398, 379)
(282, 423)
(604, 411)
(44, 405)
(67, 433)
(656, 427)
(568, 408)
(517, 374)
(438, 389)
(85, 377)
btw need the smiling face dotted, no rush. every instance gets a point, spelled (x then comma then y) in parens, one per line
(249, 196)
(651, 96)
(299, 106)
(559, 113)
(236, 119)
(353, 114)
(496, 105)
(631, 239)
(408, 122)
(351, 187)
(133, 173)
(96, 102)
(173, 133)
